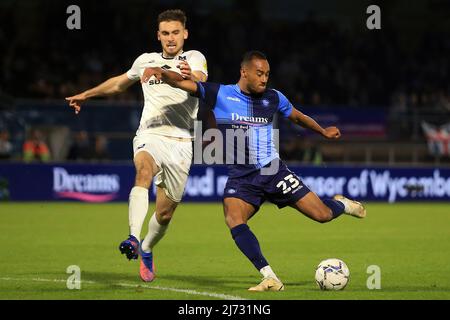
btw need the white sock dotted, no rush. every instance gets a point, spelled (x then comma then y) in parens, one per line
(155, 232)
(137, 210)
(267, 272)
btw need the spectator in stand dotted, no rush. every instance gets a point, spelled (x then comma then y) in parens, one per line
(35, 148)
(343, 66)
(81, 148)
(311, 152)
(6, 146)
(101, 148)
(289, 150)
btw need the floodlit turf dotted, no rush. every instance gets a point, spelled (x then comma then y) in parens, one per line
(198, 259)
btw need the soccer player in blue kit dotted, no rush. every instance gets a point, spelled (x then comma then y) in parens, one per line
(250, 106)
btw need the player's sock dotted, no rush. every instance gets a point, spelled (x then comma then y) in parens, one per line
(137, 210)
(336, 206)
(267, 272)
(249, 245)
(155, 232)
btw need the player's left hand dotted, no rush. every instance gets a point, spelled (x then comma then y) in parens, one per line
(185, 69)
(331, 133)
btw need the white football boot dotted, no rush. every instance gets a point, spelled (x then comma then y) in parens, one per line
(352, 208)
(268, 284)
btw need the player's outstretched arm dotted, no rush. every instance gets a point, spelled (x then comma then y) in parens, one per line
(109, 87)
(307, 122)
(171, 78)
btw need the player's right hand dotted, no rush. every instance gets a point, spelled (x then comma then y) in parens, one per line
(150, 72)
(331, 133)
(75, 101)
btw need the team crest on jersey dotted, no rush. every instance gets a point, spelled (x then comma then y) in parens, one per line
(182, 58)
(265, 102)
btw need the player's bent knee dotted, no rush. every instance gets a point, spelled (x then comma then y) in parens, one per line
(324, 216)
(233, 221)
(323, 219)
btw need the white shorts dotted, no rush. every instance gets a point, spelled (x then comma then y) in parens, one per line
(173, 158)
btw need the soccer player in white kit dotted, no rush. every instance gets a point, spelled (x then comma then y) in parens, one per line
(163, 142)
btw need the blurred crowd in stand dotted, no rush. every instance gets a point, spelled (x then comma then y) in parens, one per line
(315, 61)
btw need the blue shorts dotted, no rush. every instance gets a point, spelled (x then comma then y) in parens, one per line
(282, 188)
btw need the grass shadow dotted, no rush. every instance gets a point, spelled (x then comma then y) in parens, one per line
(197, 281)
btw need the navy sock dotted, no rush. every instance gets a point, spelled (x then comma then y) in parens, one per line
(249, 245)
(336, 207)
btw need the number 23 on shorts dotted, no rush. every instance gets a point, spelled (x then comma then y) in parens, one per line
(288, 184)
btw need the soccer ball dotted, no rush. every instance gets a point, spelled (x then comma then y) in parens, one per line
(332, 274)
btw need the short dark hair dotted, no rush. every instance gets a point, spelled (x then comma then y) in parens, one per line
(172, 15)
(253, 54)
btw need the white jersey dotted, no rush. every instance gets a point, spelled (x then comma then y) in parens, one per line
(167, 111)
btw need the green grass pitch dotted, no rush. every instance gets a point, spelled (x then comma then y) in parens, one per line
(198, 259)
